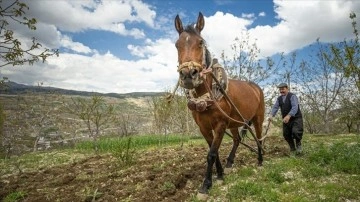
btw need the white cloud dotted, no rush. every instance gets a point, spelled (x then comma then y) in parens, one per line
(76, 16)
(262, 14)
(221, 29)
(67, 42)
(302, 22)
(104, 72)
(144, 12)
(248, 15)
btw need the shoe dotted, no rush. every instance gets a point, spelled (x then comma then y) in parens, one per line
(292, 154)
(298, 150)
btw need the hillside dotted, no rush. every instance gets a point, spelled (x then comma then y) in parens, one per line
(48, 115)
(12, 88)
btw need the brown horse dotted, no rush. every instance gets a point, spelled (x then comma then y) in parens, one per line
(194, 59)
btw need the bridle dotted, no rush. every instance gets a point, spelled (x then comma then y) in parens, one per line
(206, 62)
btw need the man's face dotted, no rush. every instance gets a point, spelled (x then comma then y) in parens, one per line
(283, 90)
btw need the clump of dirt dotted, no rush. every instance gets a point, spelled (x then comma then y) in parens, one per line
(166, 174)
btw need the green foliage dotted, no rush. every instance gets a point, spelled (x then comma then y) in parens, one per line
(168, 186)
(125, 153)
(2, 120)
(91, 195)
(37, 160)
(106, 144)
(346, 55)
(15, 196)
(246, 172)
(13, 53)
(275, 175)
(340, 157)
(244, 190)
(326, 172)
(315, 171)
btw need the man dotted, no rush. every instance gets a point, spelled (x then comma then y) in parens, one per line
(292, 118)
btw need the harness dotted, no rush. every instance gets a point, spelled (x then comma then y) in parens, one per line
(202, 102)
(219, 89)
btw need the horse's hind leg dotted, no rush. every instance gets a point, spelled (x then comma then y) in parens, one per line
(258, 130)
(236, 140)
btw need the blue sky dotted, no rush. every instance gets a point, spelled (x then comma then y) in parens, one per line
(128, 46)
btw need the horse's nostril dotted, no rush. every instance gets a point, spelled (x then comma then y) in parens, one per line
(182, 74)
(193, 73)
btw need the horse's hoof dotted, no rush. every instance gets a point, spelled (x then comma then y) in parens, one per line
(202, 197)
(227, 170)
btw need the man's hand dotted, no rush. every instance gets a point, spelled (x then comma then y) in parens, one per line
(286, 118)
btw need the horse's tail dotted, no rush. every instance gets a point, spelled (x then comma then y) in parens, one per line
(244, 130)
(260, 114)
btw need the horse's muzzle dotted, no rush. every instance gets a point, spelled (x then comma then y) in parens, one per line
(190, 79)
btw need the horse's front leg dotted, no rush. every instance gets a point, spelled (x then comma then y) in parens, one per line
(213, 157)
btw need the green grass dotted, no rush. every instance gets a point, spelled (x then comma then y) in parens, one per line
(15, 196)
(329, 170)
(123, 148)
(39, 160)
(137, 142)
(339, 157)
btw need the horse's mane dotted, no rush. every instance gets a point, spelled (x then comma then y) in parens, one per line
(191, 29)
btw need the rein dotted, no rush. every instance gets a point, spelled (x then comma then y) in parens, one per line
(233, 105)
(205, 69)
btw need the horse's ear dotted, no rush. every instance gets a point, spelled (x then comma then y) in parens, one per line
(178, 25)
(200, 22)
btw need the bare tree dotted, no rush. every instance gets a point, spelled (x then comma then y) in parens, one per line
(127, 124)
(348, 113)
(345, 56)
(173, 117)
(95, 113)
(320, 84)
(246, 64)
(161, 111)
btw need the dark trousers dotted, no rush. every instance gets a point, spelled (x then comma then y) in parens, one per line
(293, 130)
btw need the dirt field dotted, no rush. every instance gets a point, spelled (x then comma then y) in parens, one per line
(167, 174)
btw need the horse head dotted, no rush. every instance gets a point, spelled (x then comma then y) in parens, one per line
(193, 55)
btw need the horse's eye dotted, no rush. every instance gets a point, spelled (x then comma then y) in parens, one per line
(201, 42)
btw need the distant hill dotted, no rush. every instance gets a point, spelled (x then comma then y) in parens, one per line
(12, 88)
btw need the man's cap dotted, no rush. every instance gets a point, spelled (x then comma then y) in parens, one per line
(282, 85)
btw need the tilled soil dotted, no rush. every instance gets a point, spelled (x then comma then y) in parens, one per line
(166, 174)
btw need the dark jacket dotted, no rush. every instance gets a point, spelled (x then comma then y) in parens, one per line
(286, 106)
